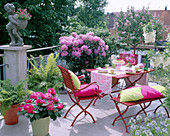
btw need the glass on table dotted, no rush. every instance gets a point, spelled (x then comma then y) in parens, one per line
(106, 66)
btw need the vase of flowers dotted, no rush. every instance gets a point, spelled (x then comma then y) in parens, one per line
(39, 108)
(22, 18)
(149, 33)
(129, 59)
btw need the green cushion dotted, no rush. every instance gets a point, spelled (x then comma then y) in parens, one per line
(131, 94)
(75, 79)
(160, 88)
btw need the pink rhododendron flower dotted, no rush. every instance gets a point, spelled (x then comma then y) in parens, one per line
(51, 90)
(96, 51)
(84, 47)
(74, 34)
(89, 51)
(50, 107)
(64, 47)
(48, 96)
(86, 62)
(60, 105)
(27, 101)
(65, 53)
(55, 99)
(125, 53)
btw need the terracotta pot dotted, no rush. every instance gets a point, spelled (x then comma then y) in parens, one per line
(11, 116)
(41, 127)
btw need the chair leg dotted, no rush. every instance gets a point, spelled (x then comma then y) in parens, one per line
(84, 110)
(69, 110)
(143, 109)
(164, 108)
(120, 115)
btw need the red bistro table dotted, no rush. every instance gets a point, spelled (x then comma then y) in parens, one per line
(116, 78)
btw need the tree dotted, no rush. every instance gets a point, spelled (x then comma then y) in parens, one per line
(45, 26)
(129, 26)
(91, 12)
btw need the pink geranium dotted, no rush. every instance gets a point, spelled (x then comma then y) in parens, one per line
(60, 105)
(55, 99)
(51, 90)
(39, 102)
(50, 107)
(48, 96)
(36, 106)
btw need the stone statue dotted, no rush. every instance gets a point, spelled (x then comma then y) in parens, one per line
(13, 26)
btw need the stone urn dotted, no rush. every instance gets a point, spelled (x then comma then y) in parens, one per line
(22, 23)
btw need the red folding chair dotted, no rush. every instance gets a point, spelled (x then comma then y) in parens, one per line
(85, 92)
(144, 104)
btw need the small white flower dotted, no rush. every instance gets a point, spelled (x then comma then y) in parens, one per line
(139, 117)
(137, 133)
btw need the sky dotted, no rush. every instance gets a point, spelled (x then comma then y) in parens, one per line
(117, 5)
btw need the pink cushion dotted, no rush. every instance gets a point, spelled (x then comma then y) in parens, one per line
(149, 92)
(89, 91)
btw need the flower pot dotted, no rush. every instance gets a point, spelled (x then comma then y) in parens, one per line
(11, 116)
(150, 37)
(22, 23)
(41, 127)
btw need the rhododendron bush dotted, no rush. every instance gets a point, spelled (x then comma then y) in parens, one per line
(82, 51)
(41, 105)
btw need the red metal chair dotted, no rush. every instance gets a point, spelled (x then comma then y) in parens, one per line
(85, 92)
(142, 104)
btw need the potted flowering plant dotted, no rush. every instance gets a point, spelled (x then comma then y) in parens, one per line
(39, 108)
(82, 51)
(22, 17)
(149, 33)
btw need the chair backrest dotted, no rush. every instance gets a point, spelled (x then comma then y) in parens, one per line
(67, 78)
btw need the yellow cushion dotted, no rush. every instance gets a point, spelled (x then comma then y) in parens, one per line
(75, 79)
(131, 94)
(160, 88)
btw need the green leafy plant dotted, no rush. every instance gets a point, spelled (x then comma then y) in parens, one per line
(149, 27)
(11, 95)
(40, 105)
(44, 75)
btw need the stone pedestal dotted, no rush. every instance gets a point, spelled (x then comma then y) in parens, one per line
(16, 59)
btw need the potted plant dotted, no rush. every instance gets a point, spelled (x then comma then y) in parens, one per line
(39, 108)
(149, 33)
(10, 97)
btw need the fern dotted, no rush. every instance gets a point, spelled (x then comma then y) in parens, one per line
(44, 75)
(10, 95)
